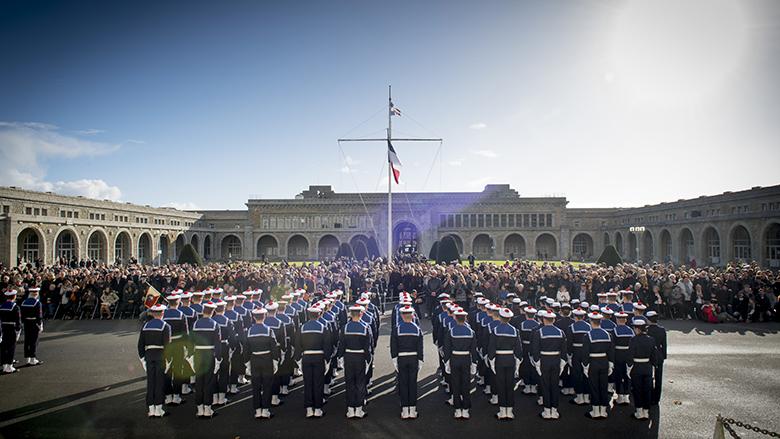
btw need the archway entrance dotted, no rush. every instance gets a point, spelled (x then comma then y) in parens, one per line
(405, 238)
(29, 245)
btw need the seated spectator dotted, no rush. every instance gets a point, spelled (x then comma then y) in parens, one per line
(107, 300)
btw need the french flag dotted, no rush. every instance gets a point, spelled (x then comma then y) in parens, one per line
(395, 164)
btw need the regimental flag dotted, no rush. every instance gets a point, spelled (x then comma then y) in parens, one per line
(152, 297)
(394, 111)
(395, 164)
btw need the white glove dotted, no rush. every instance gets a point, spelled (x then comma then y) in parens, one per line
(568, 360)
(628, 370)
(168, 365)
(18, 333)
(191, 361)
(143, 363)
(40, 326)
(538, 367)
(230, 353)
(276, 366)
(447, 368)
(368, 366)
(299, 363)
(217, 362)
(585, 369)
(492, 364)
(395, 364)
(340, 363)
(563, 365)
(517, 368)
(419, 364)
(473, 368)
(248, 366)
(327, 366)
(611, 368)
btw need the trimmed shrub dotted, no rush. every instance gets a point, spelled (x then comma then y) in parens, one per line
(360, 250)
(434, 251)
(373, 248)
(610, 257)
(345, 251)
(189, 255)
(447, 251)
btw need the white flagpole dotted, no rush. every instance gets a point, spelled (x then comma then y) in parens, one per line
(389, 175)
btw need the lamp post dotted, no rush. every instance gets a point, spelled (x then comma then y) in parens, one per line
(638, 230)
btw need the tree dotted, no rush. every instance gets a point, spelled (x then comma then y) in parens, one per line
(373, 248)
(610, 257)
(447, 251)
(434, 253)
(189, 255)
(345, 251)
(361, 252)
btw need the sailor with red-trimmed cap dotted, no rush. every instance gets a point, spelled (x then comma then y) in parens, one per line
(32, 319)
(356, 348)
(504, 354)
(280, 331)
(263, 362)
(189, 316)
(11, 320)
(406, 351)
(174, 355)
(527, 373)
(598, 354)
(575, 336)
(623, 335)
(548, 350)
(152, 343)
(642, 356)
(460, 362)
(207, 344)
(313, 351)
(228, 339)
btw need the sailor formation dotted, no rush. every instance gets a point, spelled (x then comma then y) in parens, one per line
(14, 317)
(208, 343)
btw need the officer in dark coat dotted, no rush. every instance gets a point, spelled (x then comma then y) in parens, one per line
(263, 364)
(152, 343)
(314, 350)
(548, 350)
(32, 320)
(355, 347)
(460, 358)
(658, 333)
(207, 344)
(504, 354)
(406, 350)
(641, 358)
(598, 355)
(11, 321)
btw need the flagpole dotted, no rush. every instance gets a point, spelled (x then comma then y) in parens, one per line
(389, 176)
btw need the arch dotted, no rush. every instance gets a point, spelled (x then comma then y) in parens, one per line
(771, 244)
(327, 247)
(123, 247)
(582, 246)
(267, 247)
(666, 246)
(66, 244)
(606, 239)
(144, 251)
(687, 250)
(647, 246)
(741, 243)
(710, 246)
(514, 246)
(406, 237)
(178, 246)
(546, 247)
(30, 245)
(297, 248)
(619, 243)
(97, 246)
(164, 246)
(353, 241)
(632, 247)
(484, 247)
(207, 252)
(194, 241)
(231, 247)
(458, 241)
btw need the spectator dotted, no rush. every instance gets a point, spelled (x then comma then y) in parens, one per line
(107, 300)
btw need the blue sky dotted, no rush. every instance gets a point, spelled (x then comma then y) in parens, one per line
(206, 104)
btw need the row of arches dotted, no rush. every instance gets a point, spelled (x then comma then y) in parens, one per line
(484, 246)
(711, 247)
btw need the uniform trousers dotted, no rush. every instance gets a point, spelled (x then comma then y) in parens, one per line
(262, 381)
(175, 375)
(658, 381)
(313, 380)
(460, 376)
(528, 373)
(622, 380)
(642, 386)
(155, 380)
(31, 331)
(204, 376)
(355, 379)
(8, 345)
(221, 383)
(579, 380)
(599, 380)
(551, 371)
(505, 380)
(407, 380)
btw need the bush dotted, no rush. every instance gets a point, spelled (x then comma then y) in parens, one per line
(610, 257)
(434, 251)
(447, 250)
(189, 255)
(360, 250)
(345, 251)
(373, 248)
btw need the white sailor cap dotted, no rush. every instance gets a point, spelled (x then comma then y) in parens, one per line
(11, 293)
(443, 296)
(621, 315)
(601, 295)
(566, 305)
(542, 298)
(356, 308)
(157, 308)
(612, 293)
(220, 302)
(584, 305)
(210, 305)
(482, 301)
(314, 309)
(578, 312)
(548, 314)
(626, 292)
(240, 296)
(607, 311)
(549, 300)
(259, 310)
(530, 310)
(478, 294)
(639, 322)
(229, 298)
(407, 309)
(556, 304)
(173, 297)
(595, 316)
(461, 312)
(270, 306)
(651, 314)
(640, 306)
(34, 290)
(517, 301)
(594, 307)
(198, 293)
(186, 295)
(506, 313)
(363, 301)
(287, 297)
(217, 291)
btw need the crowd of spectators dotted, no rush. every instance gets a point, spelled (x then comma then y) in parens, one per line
(88, 289)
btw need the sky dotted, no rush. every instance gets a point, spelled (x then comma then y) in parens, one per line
(203, 105)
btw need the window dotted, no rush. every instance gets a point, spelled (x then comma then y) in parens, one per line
(503, 220)
(511, 220)
(541, 220)
(480, 220)
(28, 211)
(489, 221)
(6, 209)
(534, 220)
(526, 220)
(495, 220)
(458, 220)
(450, 220)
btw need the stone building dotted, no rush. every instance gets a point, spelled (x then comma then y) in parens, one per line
(496, 223)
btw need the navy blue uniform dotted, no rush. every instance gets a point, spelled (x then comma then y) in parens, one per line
(576, 335)
(527, 329)
(32, 319)
(207, 343)
(658, 333)
(460, 351)
(642, 356)
(154, 339)
(10, 318)
(504, 353)
(548, 347)
(355, 347)
(263, 351)
(406, 347)
(597, 352)
(623, 336)
(314, 349)
(174, 355)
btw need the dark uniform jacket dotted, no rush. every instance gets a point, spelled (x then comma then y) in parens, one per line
(155, 336)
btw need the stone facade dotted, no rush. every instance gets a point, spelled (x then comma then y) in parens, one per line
(496, 223)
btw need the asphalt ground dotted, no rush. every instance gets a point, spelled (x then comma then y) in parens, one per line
(91, 386)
